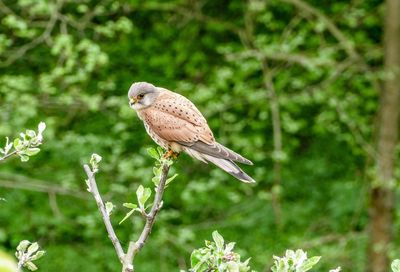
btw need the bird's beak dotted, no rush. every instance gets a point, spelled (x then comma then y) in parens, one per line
(133, 101)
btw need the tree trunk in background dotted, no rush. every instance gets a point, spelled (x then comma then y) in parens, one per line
(278, 146)
(382, 193)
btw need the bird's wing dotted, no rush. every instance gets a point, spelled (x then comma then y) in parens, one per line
(180, 106)
(174, 118)
(217, 150)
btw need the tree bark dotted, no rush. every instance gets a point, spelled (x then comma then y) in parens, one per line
(382, 191)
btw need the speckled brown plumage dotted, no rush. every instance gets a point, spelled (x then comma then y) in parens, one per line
(175, 123)
(174, 118)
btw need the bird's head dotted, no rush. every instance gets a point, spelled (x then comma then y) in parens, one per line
(142, 95)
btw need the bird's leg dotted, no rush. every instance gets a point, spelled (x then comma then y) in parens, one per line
(170, 154)
(175, 155)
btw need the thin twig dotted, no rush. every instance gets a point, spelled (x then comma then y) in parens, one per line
(8, 155)
(134, 248)
(106, 218)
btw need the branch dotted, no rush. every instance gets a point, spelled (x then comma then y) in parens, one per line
(106, 218)
(135, 247)
(8, 155)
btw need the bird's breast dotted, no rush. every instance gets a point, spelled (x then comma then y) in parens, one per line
(157, 139)
(140, 114)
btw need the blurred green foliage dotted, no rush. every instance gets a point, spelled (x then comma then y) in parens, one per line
(70, 64)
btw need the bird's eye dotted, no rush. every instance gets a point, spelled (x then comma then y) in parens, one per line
(140, 96)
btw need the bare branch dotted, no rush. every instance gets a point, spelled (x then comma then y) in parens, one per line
(106, 218)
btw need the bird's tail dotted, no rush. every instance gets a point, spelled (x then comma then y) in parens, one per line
(231, 168)
(225, 164)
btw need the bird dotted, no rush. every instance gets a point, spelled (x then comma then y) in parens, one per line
(175, 124)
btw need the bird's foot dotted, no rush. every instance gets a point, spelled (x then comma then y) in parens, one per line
(171, 154)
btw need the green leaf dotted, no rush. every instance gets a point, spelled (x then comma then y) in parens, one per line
(24, 158)
(229, 247)
(232, 266)
(32, 151)
(143, 195)
(153, 153)
(23, 245)
(17, 143)
(157, 171)
(129, 205)
(126, 217)
(171, 179)
(8, 146)
(41, 127)
(33, 248)
(31, 266)
(218, 239)
(309, 263)
(38, 255)
(146, 195)
(195, 257)
(155, 180)
(160, 151)
(96, 158)
(198, 260)
(139, 194)
(30, 133)
(109, 207)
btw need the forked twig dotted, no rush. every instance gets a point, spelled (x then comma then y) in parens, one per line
(134, 246)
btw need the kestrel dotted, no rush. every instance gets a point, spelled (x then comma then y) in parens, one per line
(176, 125)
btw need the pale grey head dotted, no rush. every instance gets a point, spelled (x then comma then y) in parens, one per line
(142, 95)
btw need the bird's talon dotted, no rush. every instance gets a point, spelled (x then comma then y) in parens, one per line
(170, 154)
(175, 155)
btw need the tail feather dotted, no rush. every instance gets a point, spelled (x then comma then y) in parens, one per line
(227, 165)
(216, 150)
